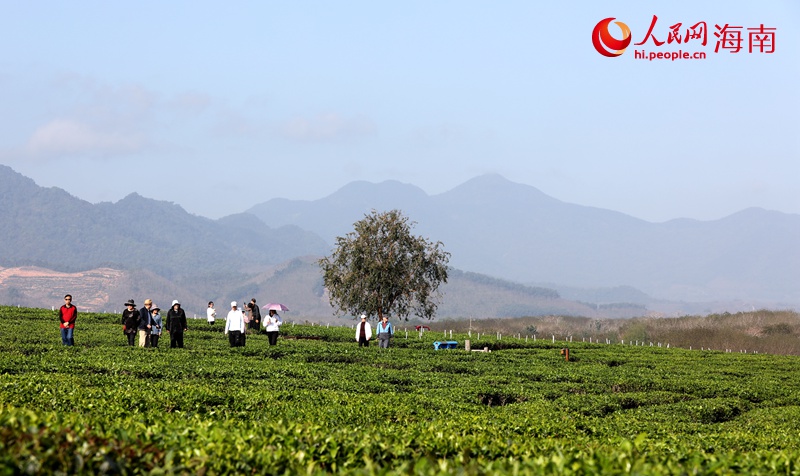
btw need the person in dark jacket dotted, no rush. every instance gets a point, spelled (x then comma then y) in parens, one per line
(176, 325)
(130, 321)
(145, 323)
(255, 321)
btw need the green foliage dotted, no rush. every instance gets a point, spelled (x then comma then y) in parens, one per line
(326, 406)
(380, 268)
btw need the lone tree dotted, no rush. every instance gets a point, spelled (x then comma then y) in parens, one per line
(380, 268)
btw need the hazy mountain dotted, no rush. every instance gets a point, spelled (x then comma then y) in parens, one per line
(49, 227)
(597, 260)
(296, 283)
(494, 226)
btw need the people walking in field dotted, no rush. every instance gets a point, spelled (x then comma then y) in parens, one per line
(363, 332)
(235, 326)
(385, 332)
(176, 325)
(255, 321)
(273, 326)
(130, 321)
(157, 322)
(145, 323)
(67, 314)
(211, 313)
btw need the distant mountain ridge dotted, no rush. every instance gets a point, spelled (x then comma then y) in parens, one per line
(499, 233)
(49, 227)
(513, 231)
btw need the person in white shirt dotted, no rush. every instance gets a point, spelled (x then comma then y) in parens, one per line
(363, 332)
(272, 324)
(211, 313)
(234, 326)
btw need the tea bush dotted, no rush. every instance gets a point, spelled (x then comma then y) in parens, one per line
(320, 406)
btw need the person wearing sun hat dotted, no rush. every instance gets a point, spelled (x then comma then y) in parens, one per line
(155, 330)
(176, 325)
(363, 332)
(130, 321)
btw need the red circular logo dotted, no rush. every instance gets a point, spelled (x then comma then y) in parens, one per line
(607, 45)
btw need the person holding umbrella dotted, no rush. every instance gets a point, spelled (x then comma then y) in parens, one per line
(272, 325)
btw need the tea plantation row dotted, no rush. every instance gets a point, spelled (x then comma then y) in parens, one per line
(328, 406)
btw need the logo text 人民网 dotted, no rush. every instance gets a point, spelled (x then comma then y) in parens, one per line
(692, 36)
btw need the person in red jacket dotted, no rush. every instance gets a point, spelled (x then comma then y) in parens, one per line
(66, 317)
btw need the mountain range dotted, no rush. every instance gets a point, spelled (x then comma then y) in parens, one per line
(512, 231)
(51, 228)
(521, 251)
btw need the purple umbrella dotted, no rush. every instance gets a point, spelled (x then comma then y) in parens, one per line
(274, 306)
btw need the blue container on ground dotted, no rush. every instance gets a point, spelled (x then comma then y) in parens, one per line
(447, 344)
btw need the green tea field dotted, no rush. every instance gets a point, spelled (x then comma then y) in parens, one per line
(326, 406)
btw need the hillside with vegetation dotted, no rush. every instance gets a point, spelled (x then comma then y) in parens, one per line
(318, 404)
(50, 228)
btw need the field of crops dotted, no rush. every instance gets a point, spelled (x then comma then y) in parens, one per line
(326, 406)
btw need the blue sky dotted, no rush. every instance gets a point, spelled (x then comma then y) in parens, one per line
(218, 106)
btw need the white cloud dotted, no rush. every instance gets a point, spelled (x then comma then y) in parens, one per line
(328, 127)
(68, 137)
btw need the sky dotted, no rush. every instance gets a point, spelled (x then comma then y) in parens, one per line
(220, 106)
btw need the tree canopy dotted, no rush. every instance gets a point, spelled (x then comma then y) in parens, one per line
(380, 268)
